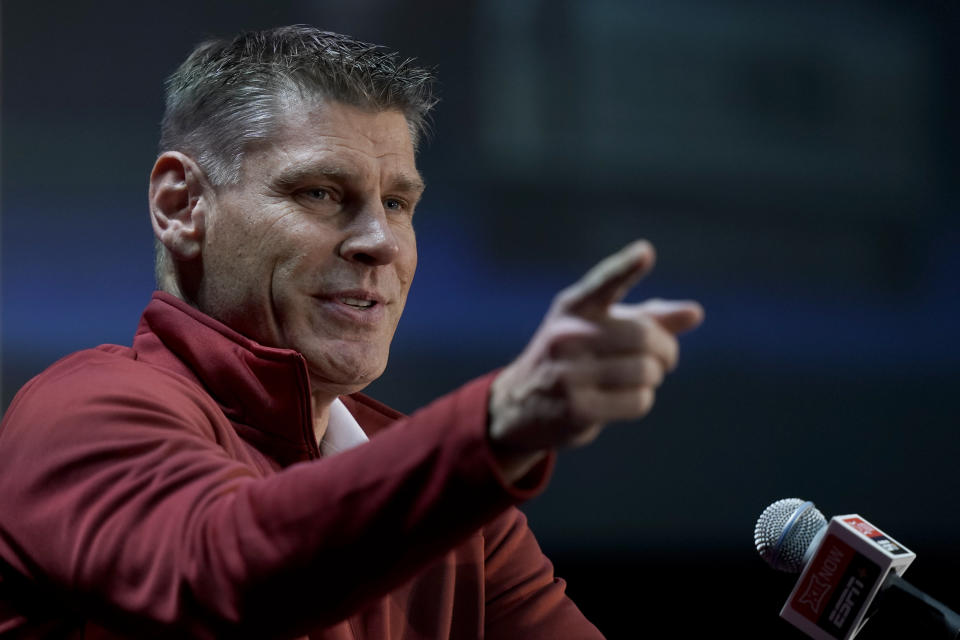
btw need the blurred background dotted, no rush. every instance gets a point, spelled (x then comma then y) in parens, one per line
(795, 164)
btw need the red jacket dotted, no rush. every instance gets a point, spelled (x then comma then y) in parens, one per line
(175, 488)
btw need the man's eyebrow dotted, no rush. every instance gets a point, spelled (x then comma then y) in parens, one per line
(296, 176)
(409, 183)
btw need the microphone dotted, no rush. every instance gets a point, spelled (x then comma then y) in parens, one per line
(848, 569)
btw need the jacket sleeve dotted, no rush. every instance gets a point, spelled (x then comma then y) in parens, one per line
(117, 498)
(524, 599)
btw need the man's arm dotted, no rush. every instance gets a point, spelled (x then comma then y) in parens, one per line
(524, 597)
(123, 499)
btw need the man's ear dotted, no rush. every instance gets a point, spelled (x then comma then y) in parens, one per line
(179, 200)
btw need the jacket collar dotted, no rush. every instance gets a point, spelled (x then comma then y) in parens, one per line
(264, 391)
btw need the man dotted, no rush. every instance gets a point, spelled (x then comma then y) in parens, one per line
(216, 479)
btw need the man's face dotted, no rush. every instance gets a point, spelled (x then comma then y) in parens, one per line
(313, 249)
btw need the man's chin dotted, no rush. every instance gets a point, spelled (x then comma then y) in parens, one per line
(343, 375)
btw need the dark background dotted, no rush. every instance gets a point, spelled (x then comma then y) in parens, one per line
(795, 163)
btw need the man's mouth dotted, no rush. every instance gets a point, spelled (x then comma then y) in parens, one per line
(357, 303)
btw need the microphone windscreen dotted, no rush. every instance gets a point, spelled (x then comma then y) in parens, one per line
(784, 532)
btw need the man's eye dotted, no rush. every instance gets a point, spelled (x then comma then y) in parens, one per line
(394, 204)
(318, 194)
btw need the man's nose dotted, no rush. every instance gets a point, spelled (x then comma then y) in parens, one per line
(370, 239)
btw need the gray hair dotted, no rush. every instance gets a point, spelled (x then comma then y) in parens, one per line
(229, 94)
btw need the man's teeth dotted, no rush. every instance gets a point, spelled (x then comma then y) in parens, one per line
(357, 302)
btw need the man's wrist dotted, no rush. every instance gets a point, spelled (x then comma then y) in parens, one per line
(514, 466)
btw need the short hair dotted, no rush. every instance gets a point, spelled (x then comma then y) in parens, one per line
(229, 94)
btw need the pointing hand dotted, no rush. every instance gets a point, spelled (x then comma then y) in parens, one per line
(592, 360)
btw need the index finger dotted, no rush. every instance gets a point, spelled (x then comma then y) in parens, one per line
(610, 280)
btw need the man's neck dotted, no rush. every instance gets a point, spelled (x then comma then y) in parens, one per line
(321, 414)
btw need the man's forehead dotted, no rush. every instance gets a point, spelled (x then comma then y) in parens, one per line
(321, 137)
(335, 118)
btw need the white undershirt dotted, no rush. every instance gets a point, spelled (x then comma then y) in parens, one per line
(343, 431)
